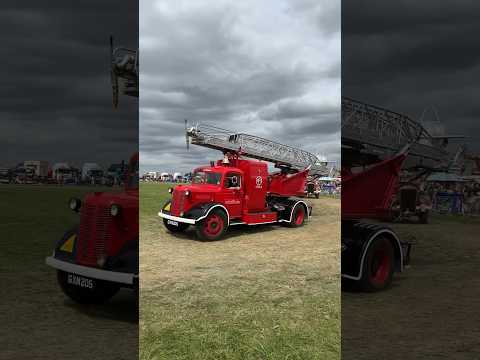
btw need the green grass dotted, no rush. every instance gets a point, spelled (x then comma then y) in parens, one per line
(248, 310)
(153, 196)
(33, 219)
(241, 319)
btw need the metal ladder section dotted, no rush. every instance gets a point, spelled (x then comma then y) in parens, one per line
(381, 128)
(255, 147)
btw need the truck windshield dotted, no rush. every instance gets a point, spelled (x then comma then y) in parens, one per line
(202, 177)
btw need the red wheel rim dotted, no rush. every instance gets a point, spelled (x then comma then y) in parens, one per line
(380, 268)
(300, 216)
(213, 225)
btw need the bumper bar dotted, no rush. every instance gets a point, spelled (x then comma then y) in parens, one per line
(177, 218)
(113, 276)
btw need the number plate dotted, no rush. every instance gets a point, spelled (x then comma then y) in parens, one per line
(80, 281)
(174, 223)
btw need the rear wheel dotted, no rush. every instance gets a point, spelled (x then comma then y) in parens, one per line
(181, 227)
(101, 292)
(298, 216)
(379, 265)
(213, 226)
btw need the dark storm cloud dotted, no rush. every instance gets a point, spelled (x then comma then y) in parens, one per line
(55, 98)
(409, 55)
(266, 68)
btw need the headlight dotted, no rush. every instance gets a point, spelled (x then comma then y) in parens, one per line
(75, 204)
(115, 210)
(170, 190)
(187, 193)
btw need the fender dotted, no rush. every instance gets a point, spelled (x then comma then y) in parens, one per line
(195, 214)
(67, 255)
(356, 240)
(200, 212)
(293, 203)
(126, 260)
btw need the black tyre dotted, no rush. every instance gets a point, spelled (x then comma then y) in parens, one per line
(213, 226)
(298, 216)
(377, 272)
(181, 227)
(103, 290)
(317, 195)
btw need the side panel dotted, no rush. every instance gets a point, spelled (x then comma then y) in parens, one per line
(255, 173)
(260, 218)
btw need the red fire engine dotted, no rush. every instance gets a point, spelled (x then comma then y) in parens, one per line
(237, 190)
(97, 258)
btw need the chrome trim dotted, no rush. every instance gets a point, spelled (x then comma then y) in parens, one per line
(113, 276)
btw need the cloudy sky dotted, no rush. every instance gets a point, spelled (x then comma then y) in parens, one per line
(407, 55)
(55, 98)
(268, 68)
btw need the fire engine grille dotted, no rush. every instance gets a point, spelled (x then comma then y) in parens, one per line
(93, 234)
(178, 200)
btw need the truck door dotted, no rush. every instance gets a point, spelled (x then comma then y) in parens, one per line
(233, 190)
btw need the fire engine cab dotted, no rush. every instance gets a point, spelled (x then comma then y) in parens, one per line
(237, 190)
(100, 255)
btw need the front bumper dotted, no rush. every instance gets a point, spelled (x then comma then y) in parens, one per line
(113, 276)
(177, 218)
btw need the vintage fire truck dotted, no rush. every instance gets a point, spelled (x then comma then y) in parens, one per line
(100, 255)
(237, 190)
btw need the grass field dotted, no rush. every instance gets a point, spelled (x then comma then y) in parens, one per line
(33, 218)
(265, 292)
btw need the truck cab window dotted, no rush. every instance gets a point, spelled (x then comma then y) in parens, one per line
(232, 180)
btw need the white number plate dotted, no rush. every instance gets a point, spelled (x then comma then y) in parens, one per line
(171, 222)
(80, 281)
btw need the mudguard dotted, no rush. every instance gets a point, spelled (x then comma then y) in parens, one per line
(198, 212)
(125, 261)
(356, 239)
(289, 205)
(67, 242)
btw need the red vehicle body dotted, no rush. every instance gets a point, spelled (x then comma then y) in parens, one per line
(371, 252)
(97, 258)
(233, 192)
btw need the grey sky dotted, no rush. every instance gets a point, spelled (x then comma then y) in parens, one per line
(408, 55)
(269, 68)
(55, 98)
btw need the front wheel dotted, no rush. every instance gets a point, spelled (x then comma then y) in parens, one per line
(213, 226)
(379, 265)
(86, 291)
